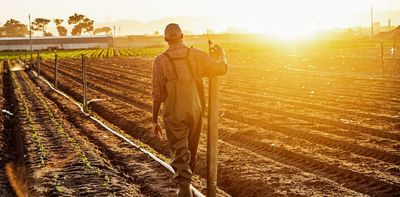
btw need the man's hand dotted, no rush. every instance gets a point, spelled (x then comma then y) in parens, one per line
(218, 53)
(156, 129)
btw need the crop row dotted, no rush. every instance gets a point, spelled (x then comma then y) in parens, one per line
(71, 140)
(51, 136)
(91, 53)
(33, 128)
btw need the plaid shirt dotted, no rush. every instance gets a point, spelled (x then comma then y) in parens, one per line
(202, 65)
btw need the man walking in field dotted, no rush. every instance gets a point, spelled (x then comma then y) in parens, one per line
(177, 82)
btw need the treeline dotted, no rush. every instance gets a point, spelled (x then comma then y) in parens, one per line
(81, 24)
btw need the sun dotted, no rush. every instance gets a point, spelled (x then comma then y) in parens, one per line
(290, 34)
(290, 19)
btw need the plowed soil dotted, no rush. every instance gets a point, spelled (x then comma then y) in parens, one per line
(283, 131)
(50, 148)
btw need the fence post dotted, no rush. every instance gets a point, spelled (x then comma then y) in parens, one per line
(55, 70)
(212, 138)
(382, 59)
(394, 49)
(85, 108)
(38, 62)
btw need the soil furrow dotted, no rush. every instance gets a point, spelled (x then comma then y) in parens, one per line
(230, 180)
(5, 187)
(350, 126)
(357, 149)
(349, 179)
(146, 70)
(131, 103)
(78, 170)
(154, 179)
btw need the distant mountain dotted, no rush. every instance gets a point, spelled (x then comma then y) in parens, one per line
(197, 25)
(235, 30)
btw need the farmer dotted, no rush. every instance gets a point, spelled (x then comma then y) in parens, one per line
(177, 82)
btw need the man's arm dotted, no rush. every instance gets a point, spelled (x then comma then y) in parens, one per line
(158, 95)
(212, 67)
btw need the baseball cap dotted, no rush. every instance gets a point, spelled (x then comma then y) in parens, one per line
(172, 31)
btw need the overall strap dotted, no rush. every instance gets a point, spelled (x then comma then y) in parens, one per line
(188, 63)
(173, 64)
(186, 58)
(199, 82)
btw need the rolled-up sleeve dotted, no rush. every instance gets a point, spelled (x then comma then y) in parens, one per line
(158, 82)
(211, 66)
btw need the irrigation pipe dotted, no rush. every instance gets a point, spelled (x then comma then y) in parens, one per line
(7, 112)
(95, 100)
(163, 163)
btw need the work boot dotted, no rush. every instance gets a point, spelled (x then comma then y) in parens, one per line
(184, 190)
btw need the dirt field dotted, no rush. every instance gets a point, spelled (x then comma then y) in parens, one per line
(49, 148)
(283, 131)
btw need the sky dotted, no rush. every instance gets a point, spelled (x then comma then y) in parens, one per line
(259, 16)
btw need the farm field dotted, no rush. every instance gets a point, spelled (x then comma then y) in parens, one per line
(335, 132)
(313, 124)
(50, 148)
(93, 53)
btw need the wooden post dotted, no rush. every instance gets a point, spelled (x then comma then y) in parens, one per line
(382, 59)
(30, 40)
(55, 70)
(394, 49)
(85, 108)
(38, 63)
(114, 38)
(212, 138)
(372, 24)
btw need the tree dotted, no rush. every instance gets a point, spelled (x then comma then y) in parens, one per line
(40, 24)
(156, 33)
(14, 28)
(106, 30)
(62, 31)
(82, 23)
(58, 21)
(88, 26)
(75, 19)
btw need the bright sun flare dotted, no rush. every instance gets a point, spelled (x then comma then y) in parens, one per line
(298, 19)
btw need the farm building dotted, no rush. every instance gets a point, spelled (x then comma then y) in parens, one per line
(68, 42)
(392, 34)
